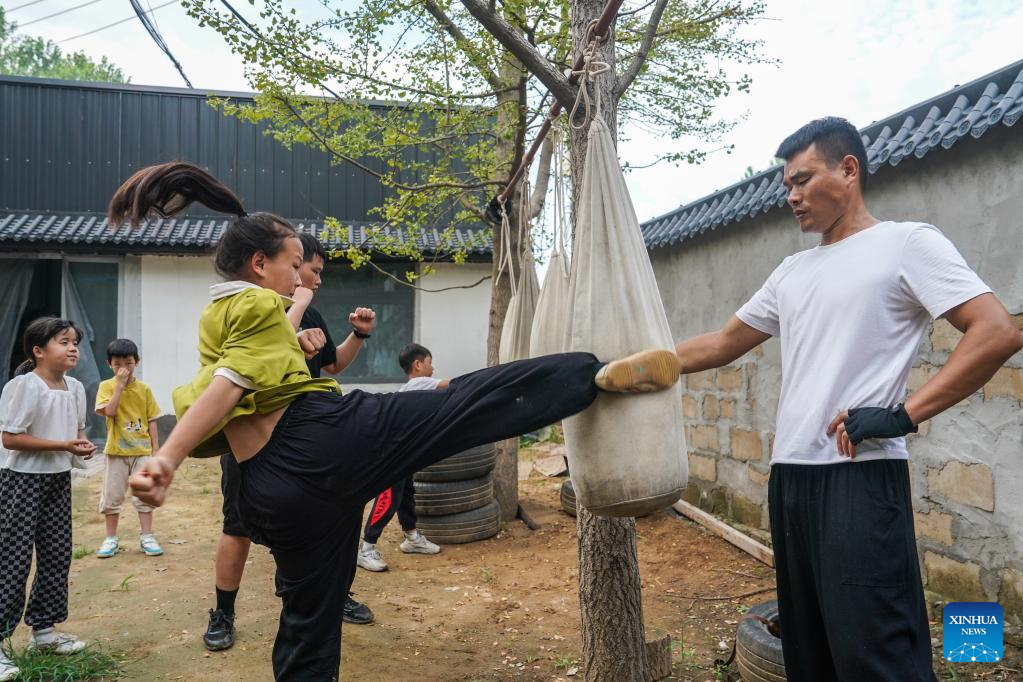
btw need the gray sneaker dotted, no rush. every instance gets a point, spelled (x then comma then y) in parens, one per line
(416, 543)
(370, 559)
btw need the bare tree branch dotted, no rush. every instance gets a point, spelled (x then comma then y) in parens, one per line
(515, 43)
(463, 43)
(402, 282)
(543, 177)
(625, 80)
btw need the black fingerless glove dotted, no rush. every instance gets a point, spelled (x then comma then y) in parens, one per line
(878, 422)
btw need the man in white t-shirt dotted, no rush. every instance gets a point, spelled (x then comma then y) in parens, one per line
(417, 363)
(850, 315)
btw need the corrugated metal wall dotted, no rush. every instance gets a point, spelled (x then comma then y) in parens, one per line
(66, 146)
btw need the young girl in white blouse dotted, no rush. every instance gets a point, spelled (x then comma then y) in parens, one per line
(42, 422)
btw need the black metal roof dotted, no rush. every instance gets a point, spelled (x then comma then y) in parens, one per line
(964, 112)
(67, 145)
(89, 232)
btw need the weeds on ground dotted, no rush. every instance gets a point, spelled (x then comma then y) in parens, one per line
(91, 663)
(80, 552)
(564, 662)
(486, 575)
(125, 584)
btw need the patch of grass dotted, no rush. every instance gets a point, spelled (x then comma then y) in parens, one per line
(205, 490)
(125, 584)
(564, 662)
(486, 575)
(80, 552)
(91, 663)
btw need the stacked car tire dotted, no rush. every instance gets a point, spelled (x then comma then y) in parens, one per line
(455, 497)
(757, 650)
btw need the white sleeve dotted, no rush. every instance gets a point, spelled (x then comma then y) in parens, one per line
(934, 273)
(82, 404)
(234, 377)
(18, 404)
(761, 311)
(421, 384)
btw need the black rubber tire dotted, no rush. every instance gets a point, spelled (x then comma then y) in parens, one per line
(456, 529)
(471, 463)
(452, 497)
(568, 497)
(758, 653)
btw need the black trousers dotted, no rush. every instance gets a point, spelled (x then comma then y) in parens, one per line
(35, 514)
(850, 598)
(303, 494)
(400, 498)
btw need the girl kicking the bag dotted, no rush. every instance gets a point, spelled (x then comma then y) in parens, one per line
(42, 422)
(311, 458)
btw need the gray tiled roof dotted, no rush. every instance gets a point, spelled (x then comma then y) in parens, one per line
(965, 112)
(89, 231)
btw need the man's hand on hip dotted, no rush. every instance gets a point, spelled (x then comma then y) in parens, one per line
(851, 427)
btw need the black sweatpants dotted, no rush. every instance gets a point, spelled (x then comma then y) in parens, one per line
(400, 498)
(303, 494)
(35, 513)
(850, 598)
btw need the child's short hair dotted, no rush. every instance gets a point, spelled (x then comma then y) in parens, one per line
(122, 348)
(410, 354)
(311, 246)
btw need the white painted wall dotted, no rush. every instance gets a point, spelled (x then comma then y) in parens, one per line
(453, 324)
(174, 291)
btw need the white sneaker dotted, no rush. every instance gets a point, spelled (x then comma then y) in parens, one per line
(55, 642)
(108, 548)
(8, 671)
(416, 543)
(370, 559)
(149, 545)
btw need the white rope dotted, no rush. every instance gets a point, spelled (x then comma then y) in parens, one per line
(591, 67)
(560, 212)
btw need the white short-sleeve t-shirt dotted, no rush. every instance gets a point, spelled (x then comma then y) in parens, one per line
(28, 405)
(420, 384)
(850, 317)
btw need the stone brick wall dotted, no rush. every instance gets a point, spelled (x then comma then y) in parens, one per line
(967, 463)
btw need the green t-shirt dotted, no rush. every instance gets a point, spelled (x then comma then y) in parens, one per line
(128, 429)
(248, 335)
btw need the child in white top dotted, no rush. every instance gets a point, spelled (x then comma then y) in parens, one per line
(42, 422)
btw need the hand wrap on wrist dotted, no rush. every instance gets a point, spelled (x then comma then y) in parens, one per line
(878, 422)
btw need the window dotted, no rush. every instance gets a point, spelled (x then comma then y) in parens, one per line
(343, 290)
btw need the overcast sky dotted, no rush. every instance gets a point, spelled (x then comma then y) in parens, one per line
(864, 60)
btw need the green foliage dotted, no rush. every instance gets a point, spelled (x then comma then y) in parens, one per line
(91, 663)
(423, 98)
(80, 552)
(22, 55)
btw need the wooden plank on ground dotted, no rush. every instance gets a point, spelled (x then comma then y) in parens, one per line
(757, 550)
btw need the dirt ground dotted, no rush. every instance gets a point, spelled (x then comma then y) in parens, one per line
(493, 610)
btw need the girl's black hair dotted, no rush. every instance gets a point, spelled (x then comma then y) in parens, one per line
(37, 334)
(167, 189)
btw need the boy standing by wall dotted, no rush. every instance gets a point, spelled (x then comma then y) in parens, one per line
(131, 412)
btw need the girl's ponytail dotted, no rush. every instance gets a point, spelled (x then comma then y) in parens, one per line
(24, 368)
(167, 189)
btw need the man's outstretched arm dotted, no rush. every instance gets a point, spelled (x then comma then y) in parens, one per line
(716, 349)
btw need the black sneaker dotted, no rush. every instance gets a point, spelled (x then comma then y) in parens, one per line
(220, 632)
(356, 613)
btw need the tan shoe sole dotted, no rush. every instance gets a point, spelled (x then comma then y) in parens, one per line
(643, 372)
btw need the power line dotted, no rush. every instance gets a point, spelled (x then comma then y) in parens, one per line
(34, 2)
(116, 23)
(157, 38)
(57, 14)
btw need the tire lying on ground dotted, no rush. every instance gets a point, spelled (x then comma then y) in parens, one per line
(451, 497)
(757, 651)
(568, 497)
(471, 463)
(454, 529)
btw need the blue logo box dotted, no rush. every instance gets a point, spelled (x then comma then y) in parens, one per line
(972, 632)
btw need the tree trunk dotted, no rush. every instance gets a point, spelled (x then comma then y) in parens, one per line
(510, 148)
(610, 596)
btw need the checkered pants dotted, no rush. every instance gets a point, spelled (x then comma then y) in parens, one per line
(35, 511)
